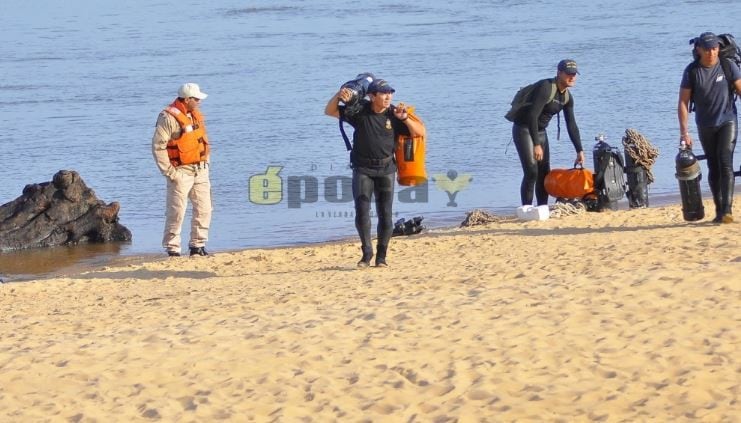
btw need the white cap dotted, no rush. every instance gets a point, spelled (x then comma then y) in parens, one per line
(191, 90)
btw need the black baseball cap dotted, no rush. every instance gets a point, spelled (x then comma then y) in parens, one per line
(707, 40)
(568, 66)
(380, 86)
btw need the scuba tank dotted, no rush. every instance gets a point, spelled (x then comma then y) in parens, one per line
(637, 183)
(689, 177)
(609, 176)
(358, 87)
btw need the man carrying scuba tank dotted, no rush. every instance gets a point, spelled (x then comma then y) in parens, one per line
(376, 123)
(710, 84)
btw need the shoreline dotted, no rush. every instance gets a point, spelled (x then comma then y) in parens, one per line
(94, 256)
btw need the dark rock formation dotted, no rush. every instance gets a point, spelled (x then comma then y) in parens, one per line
(61, 212)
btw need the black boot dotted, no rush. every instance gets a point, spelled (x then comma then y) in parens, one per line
(367, 256)
(381, 256)
(727, 211)
(718, 209)
(198, 251)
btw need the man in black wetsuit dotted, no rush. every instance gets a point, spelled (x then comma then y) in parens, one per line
(548, 98)
(710, 83)
(377, 123)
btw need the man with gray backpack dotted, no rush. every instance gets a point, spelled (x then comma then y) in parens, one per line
(709, 85)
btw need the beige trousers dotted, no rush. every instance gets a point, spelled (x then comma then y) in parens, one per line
(189, 182)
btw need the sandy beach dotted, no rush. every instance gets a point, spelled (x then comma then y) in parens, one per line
(616, 316)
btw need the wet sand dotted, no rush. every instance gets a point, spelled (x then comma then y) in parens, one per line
(46, 263)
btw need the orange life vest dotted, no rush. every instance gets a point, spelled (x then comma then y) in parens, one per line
(192, 146)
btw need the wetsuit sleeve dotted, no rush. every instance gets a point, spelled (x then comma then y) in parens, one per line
(539, 100)
(571, 127)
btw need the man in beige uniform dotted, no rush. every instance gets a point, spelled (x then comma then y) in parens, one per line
(181, 150)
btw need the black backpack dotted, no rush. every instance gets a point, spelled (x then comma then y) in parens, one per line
(609, 175)
(408, 227)
(729, 51)
(522, 99)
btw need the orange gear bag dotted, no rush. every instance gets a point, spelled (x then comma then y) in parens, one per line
(575, 183)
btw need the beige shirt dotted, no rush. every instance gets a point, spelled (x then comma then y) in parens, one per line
(167, 128)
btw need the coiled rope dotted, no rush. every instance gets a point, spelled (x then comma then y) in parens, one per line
(641, 150)
(559, 209)
(567, 208)
(482, 217)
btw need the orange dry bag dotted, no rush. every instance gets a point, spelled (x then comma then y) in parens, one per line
(410, 156)
(569, 183)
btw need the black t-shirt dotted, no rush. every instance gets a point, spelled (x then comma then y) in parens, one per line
(714, 103)
(374, 138)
